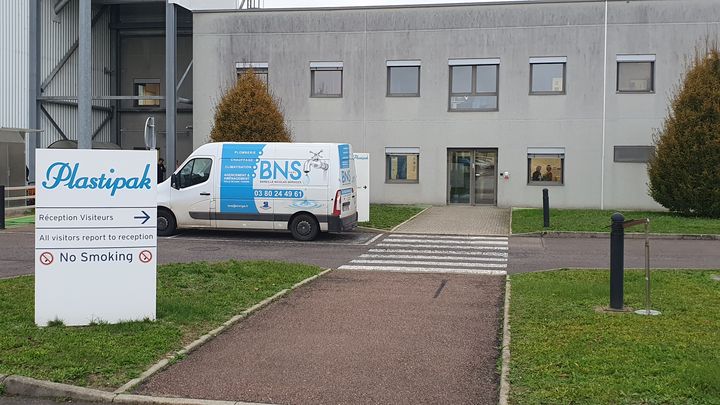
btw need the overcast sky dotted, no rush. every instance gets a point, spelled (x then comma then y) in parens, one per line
(348, 3)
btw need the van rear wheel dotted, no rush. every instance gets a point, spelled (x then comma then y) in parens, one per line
(166, 224)
(304, 227)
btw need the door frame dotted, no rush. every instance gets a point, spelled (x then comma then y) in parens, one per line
(472, 175)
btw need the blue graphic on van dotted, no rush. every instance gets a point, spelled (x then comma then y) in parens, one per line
(237, 175)
(275, 170)
(344, 153)
(305, 204)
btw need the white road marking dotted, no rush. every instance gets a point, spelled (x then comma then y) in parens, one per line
(468, 258)
(441, 246)
(445, 252)
(373, 239)
(447, 242)
(424, 263)
(462, 238)
(425, 270)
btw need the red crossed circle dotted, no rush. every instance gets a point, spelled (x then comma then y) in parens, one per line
(46, 258)
(145, 256)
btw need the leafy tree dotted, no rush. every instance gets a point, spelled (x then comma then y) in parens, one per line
(249, 113)
(685, 171)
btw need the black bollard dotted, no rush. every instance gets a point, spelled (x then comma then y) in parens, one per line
(546, 208)
(617, 251)
(2, 209)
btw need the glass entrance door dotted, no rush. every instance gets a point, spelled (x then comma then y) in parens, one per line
(472, 176)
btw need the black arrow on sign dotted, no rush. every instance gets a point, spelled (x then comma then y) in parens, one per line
(145, 218)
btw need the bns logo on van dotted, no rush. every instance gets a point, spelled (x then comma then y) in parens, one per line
(63, 174)
(271, 170)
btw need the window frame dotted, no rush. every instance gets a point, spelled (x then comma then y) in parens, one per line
(257, 67)
(549, 61)
(136, 84)
(621, 59)
(179, 172)
(389, 152)
(327, 67)
(396, 64)
(531, 155)
(473, 87)
(650, 148)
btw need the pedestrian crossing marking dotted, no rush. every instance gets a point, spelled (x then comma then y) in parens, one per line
(468, 258)
(417, 262)
(425, 270)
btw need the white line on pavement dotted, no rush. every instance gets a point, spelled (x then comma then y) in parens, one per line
(424, 263)
(468, 258)
(445, 252)
(413, 236)
(374, 239)
(447, 242)
(425, 270)
(442, 246)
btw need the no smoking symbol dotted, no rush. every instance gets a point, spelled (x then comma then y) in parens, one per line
(145, 256)
(46, 258)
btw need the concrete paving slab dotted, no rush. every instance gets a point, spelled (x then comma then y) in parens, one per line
(355, 338)
(460, 220)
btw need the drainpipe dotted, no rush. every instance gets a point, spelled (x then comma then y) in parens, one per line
(604, 112)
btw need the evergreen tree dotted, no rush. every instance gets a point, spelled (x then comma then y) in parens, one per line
(249, 113)
(685, 171)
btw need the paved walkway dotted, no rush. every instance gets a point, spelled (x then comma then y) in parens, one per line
(460, 220)
(355, 337)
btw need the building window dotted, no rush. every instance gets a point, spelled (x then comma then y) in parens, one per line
(147, 87)
(403, 78)
(326, 79)
(474, 84)
(636, 73)
(547, 75)
(633, 154)
(546, 166)
(402, 165)
(259, 68)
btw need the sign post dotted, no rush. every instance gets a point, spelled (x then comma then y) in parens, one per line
(95, 236)
(362, 171)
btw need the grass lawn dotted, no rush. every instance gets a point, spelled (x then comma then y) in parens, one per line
(14, 222)
(388, 216)
(192, 299)
(564, 352)
(531, 220)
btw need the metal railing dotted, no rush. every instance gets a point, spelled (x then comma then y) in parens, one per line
(29, 196)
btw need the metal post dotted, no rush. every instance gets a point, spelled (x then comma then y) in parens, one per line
(84, 134)
(33, 83)
(2, 209)
(617, 251)
(170, 89)
(648, 304)
(546, 208)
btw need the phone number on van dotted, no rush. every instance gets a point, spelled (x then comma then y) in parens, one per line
(279, 193)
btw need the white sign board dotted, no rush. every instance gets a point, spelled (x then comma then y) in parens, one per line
(362, 171)
(95, 236)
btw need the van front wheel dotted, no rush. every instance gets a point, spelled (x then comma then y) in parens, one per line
(166, 224)
(304, 227)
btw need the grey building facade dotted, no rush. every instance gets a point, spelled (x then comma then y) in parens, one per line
(462, 104)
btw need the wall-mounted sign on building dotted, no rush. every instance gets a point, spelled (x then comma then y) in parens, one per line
(95, 236)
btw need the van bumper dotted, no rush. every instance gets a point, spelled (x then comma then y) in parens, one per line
(337, 224)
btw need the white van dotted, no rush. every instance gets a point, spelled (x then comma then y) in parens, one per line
(305, 188)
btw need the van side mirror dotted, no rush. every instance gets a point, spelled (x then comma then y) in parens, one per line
(173, 181)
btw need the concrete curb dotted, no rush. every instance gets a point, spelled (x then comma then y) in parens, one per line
(606, 235)
(409, 219)
(505, 370)
(30, 387)
(210, 335)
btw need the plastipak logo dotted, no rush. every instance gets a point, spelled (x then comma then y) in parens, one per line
(64, 174)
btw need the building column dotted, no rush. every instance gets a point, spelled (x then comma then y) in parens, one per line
(170, 91)
(84, 135)
(33, 85)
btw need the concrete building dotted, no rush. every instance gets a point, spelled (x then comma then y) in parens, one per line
(469, 104)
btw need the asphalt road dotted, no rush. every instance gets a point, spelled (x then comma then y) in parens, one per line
(333, 250)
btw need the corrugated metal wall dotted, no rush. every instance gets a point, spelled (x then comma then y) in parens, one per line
(14, 25)
(58, 33)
